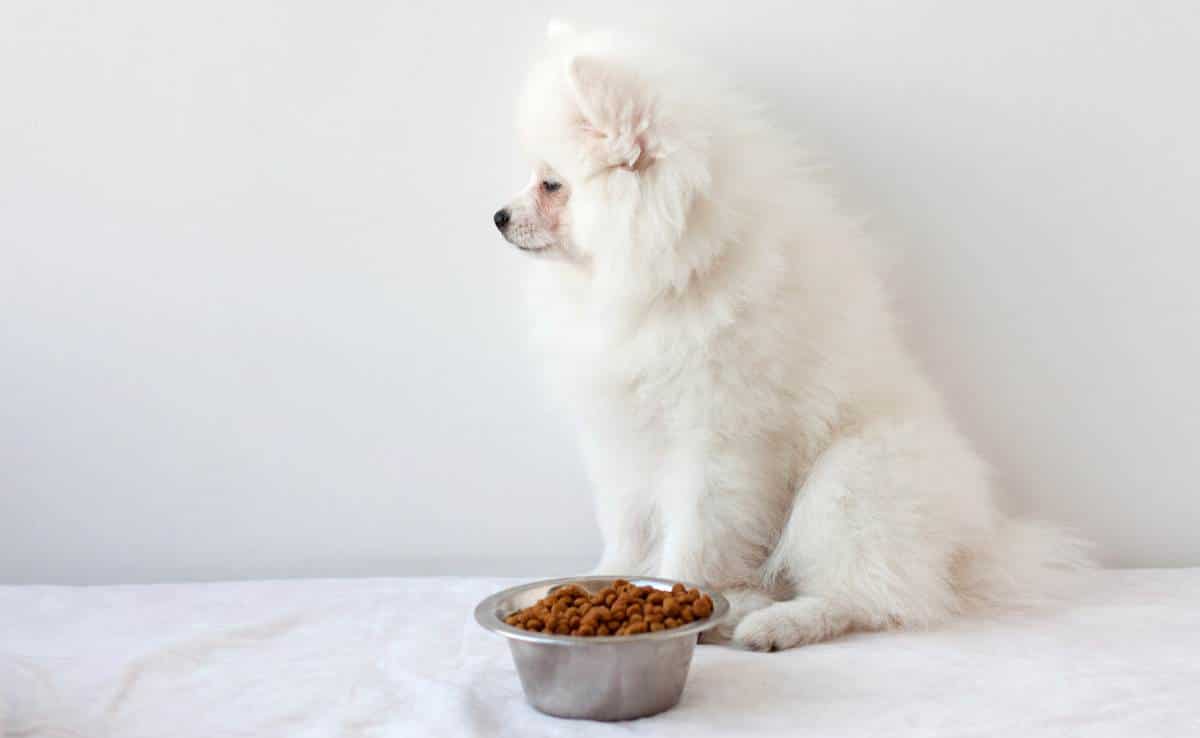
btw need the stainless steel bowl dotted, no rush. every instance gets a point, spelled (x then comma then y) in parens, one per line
(598, 678)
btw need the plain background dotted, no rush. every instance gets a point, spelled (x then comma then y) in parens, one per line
(255, 320)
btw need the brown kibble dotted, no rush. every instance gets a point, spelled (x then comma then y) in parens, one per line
(670, 607)
(619, 609)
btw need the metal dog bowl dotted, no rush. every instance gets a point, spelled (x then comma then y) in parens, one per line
(603, 677)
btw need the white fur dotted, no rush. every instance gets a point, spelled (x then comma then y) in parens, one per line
(750, 417)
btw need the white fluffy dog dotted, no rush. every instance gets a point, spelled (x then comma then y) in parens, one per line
(750, 417)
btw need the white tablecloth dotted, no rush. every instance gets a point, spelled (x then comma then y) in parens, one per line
(403, 657)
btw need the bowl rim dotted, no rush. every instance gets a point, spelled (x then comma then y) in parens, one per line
(485, 612)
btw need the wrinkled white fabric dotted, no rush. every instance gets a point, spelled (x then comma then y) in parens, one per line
(404, 657)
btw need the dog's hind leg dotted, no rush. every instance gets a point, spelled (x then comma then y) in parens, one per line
(873, 537)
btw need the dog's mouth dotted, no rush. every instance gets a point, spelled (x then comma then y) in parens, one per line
(535, 248)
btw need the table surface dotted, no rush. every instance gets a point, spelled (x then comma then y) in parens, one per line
(403, 657)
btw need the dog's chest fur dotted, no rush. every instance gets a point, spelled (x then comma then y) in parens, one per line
(694, 400)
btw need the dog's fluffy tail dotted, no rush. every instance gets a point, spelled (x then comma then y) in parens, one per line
(1028, 563)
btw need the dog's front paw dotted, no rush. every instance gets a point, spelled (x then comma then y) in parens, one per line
(742, 602)
(769, 631)
(789, 624)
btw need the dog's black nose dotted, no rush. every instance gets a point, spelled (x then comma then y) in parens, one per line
(501, 218)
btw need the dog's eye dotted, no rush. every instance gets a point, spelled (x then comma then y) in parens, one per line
(550, 186)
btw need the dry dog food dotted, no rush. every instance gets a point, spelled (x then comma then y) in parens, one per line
(619, 609)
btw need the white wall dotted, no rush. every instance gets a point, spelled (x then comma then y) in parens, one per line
(255, 321)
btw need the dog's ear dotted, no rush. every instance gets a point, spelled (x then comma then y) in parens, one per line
(616, 111)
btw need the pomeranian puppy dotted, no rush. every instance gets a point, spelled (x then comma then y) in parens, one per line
(750, 419)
